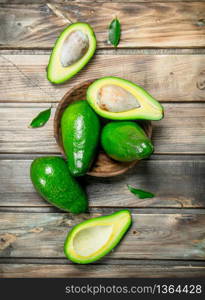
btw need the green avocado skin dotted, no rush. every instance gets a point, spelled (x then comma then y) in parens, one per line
(126, 141)
(52, 179)
(80, 127)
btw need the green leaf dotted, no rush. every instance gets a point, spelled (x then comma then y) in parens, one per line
(41, 119)
(140, 193)
(114, 32)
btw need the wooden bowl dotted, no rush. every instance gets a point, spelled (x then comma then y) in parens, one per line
(103, 166)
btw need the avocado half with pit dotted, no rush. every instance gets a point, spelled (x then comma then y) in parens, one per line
(72, 51)
(119, 99)
(94, 238)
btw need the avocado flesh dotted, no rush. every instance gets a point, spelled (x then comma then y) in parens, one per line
(146, 107)
(125, 141)
(52, 180)
(94, 238)
(80, 128)
(72, 51)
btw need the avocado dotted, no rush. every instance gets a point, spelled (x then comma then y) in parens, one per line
(126, 141)
(94, 238)
(119, 99)
(72, 51)
(80, 127)
(51, 178)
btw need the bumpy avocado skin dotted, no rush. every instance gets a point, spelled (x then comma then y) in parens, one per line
(126, 141)
(51, 178)
(80, 128)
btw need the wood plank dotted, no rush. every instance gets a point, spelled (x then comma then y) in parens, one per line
(162, 270)
(181, 131)
(82, 1)
(156, 175)
(152, 236)
(23, 77)
(159, 24)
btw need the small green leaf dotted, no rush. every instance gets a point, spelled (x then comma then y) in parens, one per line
(140, 193)
(114, 32)
(41, 119)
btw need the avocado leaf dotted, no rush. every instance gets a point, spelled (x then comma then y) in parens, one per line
(140, 193)
(114, 32)
(41, 119)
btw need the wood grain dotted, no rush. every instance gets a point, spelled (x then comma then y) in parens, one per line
(181, 131)
(159, 24)
(23, 77)
(152, 236)
(86, 1)
(156, 175)
(147, 270)
(31, 232)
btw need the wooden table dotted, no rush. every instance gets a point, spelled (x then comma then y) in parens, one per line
(163, 49)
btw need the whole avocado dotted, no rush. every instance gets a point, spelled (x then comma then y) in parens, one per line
(126, 141)
(80, 127)
(52, 179)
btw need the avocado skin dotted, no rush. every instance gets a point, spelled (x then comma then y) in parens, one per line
(80, 128)
(126, 141)
(51, 178)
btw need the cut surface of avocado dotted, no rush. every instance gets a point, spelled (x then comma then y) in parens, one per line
(94, 238)
(119, 99)
(73, 49)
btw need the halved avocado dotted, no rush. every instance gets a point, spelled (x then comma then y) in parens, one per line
(94, 238)
(72, 51)
(119, 99)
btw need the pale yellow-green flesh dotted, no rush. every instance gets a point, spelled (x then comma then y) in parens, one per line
(56, 72)
(148, 105)
(90, 240)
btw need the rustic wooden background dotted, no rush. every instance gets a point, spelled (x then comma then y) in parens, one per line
(163, 49)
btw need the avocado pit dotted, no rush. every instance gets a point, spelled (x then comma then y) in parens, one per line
(74, 48)
(114, 98)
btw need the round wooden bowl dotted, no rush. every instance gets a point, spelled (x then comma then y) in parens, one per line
(103, 166)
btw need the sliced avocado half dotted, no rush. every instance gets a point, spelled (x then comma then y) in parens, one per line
(119, 99)
(125, 141)
(72, 51)
(94, 238)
